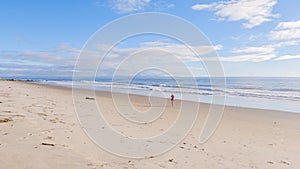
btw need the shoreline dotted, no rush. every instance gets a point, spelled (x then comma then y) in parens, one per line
(108, 92)
(43, 132)
(289, 106)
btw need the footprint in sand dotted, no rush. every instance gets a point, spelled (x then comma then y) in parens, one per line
(279, 140)
(53, 121)
(42, 114)
(284, 162)
(7, 111)
(48, 138)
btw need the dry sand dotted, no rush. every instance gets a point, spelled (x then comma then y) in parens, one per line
(39, 130)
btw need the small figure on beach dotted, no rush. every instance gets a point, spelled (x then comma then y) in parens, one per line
(172, 99)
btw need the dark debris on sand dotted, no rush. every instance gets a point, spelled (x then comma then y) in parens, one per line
(5, 120)
(48, 144)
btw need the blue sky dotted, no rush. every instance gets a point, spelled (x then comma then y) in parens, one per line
(252, 37)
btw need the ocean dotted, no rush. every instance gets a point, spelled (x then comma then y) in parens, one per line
(273, 93)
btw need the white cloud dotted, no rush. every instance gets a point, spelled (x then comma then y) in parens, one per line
(184, 52)
(265, 52)
(249, 58)
(285, 34)
(161, 5)
(289, 25)
(286, 31)
(259, 54)
(57, 62)
(199, 7)
(170, 56)
(255, 12)
(287, 57)
(251, 54)
(285, 43)
(126, 6)
(256, 50)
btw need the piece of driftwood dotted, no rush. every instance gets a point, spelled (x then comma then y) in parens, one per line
(89, 98)
(5, 120)
(48, 144)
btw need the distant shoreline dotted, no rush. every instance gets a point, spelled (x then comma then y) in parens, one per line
(108, 92)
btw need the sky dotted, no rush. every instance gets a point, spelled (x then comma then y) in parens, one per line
(251, 37)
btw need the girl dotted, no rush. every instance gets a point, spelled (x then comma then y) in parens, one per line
(172, 99)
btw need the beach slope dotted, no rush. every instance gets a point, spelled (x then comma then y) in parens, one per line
(39, 129)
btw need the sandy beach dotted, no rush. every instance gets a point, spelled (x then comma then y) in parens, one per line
(39, 129)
